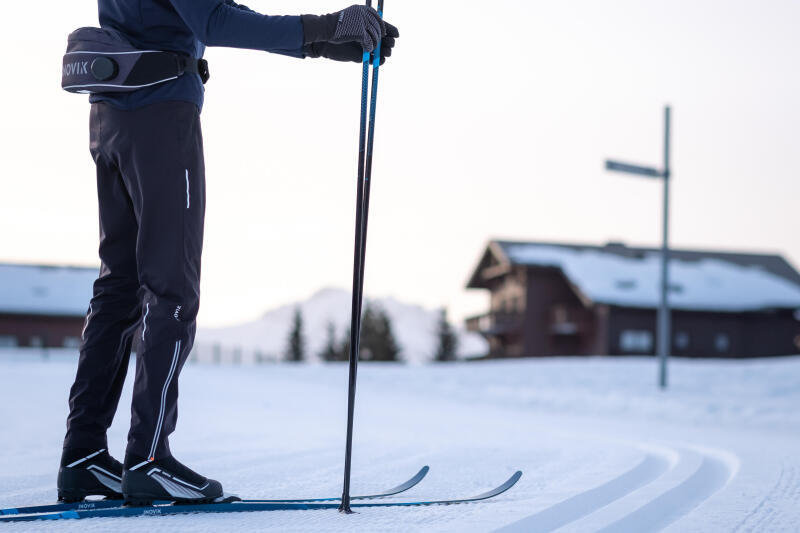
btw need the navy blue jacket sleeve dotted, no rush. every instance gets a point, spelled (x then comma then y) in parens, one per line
(225, 23)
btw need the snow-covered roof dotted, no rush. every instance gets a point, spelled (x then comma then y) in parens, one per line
(697, 282)
(45, 290)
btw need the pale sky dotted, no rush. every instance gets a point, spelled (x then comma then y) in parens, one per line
(494, 120)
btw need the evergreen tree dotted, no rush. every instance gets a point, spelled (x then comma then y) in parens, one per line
(344, 347)
(390, 350)
(447, 340)
(368, 334)
(296, 350)
(331, 352)
(377, 341)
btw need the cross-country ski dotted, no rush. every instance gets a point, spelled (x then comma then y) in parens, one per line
(112, 503)
(247, 506)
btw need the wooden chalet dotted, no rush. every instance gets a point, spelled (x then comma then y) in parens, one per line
(43, 306)
(564, 299)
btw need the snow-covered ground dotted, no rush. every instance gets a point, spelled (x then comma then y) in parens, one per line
(601, 448)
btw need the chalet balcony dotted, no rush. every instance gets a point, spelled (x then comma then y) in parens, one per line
(568, 321)
(496, 323)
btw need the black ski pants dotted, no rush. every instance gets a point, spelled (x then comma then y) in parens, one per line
(151, 195)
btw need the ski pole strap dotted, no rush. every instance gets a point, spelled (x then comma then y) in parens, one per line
(103, 60)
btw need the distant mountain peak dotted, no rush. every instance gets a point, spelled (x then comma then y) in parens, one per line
(414, 328)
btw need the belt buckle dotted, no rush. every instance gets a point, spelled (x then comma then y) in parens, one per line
(202, 70)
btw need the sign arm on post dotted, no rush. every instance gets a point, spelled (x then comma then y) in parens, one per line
(628, 168)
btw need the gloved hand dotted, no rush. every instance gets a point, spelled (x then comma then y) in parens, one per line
(347, 51)
(356, 24)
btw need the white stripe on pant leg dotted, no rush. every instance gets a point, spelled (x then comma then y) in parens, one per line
(164, 399)
(86, 325)
(187, 188)
(144, 320)
(162, 409)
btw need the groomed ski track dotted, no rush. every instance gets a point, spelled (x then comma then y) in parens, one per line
(601, 448)
(662, 488)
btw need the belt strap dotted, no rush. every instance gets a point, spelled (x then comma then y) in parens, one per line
(197, 66)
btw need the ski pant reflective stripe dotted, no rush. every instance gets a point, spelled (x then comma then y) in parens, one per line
(151, 198)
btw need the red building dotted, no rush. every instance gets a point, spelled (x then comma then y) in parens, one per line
(43, 306)
(564, 299)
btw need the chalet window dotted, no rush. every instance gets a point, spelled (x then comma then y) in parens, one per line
(722, 342)
(71, 342)
(8, 341)
(37, 341)
(636, 341)
(681, 340)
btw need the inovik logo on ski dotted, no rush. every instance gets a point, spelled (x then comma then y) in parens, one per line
(78, 67)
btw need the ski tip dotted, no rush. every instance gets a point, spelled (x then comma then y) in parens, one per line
(419, 476)
(412, 482)
(512, 480)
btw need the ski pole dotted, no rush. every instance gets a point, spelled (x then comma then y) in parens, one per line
(376, 65)
(359, 253)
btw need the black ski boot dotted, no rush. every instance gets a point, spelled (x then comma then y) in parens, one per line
(144, 481)
(87, 472)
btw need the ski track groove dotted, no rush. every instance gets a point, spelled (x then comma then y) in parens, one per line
(765, 514)
(583, 504)
(712, 472)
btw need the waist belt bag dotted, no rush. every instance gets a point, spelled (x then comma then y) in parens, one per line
(102, 60)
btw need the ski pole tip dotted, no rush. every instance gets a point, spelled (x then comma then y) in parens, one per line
(345, 509)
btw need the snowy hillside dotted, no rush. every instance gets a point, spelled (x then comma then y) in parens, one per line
(414, 328)
(600, 447)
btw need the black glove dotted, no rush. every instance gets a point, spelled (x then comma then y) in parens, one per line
(347, 51)
(356, 24)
